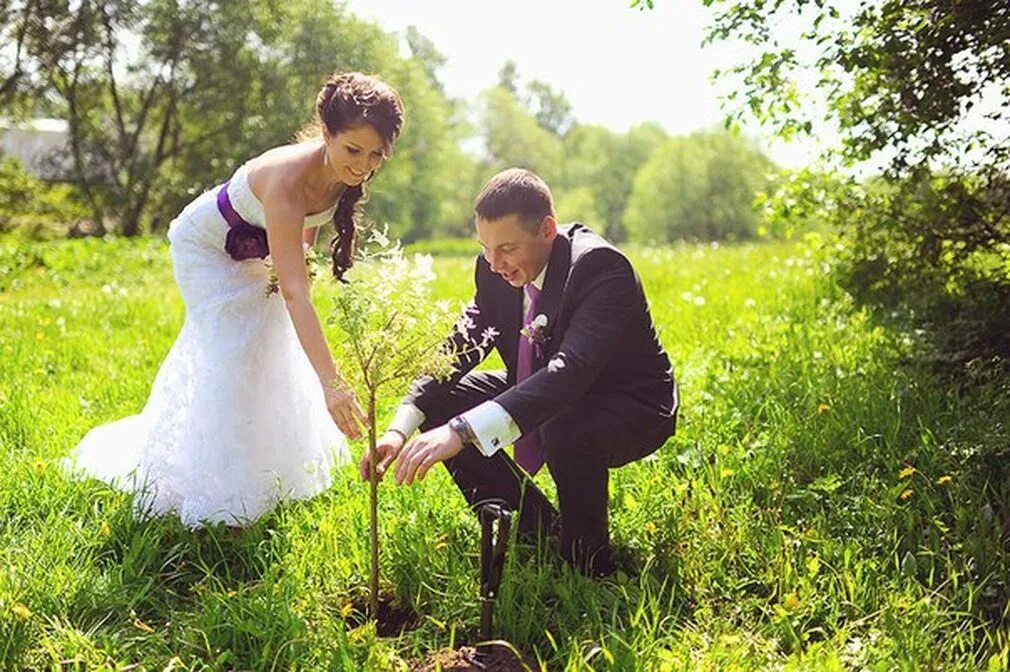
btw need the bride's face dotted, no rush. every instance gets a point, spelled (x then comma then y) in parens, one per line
(353, 154)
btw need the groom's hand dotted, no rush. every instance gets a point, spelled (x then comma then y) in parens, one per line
(425, 451)
(387, 448)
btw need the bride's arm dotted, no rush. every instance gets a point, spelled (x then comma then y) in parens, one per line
(284, 234)
(310, 235)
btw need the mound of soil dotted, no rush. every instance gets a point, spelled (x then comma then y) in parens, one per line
(392, 619)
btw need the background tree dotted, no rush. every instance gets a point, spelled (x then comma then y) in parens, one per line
(514, 137)
(508, 77)
(125, 75)
(426, 190)
(924, 87)
(590, 168)
(164, 99)
(578, 204)
(427, 54)
(16, 20)
(550, 108)
(600, 165)
(702, 187)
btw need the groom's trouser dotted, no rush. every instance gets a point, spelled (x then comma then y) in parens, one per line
(580, 444)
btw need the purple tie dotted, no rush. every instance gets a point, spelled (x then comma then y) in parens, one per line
(529, 454)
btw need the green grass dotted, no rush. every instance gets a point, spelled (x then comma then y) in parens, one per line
(824, 505)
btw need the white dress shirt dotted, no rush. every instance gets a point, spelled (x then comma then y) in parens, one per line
(493, 427)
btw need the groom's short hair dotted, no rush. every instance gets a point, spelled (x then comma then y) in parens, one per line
(515, 191)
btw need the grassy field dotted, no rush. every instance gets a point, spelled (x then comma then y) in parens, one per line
(824, 506)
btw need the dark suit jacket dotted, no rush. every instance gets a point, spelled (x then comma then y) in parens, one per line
(600, 340)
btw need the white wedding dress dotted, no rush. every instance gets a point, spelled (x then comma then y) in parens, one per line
(236, 420)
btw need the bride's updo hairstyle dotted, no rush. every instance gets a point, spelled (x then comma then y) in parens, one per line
(346, 101)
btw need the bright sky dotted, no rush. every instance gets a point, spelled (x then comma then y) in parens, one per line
(616, 65)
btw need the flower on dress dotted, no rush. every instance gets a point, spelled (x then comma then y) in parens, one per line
(246, 241)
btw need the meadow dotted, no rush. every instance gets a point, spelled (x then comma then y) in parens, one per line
(827, 503)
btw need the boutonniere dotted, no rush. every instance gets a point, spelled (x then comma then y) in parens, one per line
(536, 333)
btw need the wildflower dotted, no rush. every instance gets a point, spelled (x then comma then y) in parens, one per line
(379, 238)
(944, 480)
(791, 601)
(907, 472)
(823, 408)
(21, 611)
(907, 495)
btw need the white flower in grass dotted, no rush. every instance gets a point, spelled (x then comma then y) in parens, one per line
(424, 267)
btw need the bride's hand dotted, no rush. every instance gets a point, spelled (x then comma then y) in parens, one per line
(344, 409)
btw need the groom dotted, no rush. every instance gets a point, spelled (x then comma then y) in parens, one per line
(587, 388)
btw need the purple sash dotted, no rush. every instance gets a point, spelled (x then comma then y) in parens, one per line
(244, 241)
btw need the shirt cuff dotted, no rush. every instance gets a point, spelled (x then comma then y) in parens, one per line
(407, 419)
(493, 427)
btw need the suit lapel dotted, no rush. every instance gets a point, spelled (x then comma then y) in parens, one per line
(558, 264)
(554, 288)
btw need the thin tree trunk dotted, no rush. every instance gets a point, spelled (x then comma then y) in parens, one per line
(69, 92)
(373, 603)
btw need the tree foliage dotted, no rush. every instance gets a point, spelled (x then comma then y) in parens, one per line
(165, 98)
(515, 138)
(924, 87)
(30, 204)
(396, 333)
(899, 76)
(590, 168)
(700, 187)
(601, 166)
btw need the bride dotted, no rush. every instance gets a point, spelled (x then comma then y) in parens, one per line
(245, 410)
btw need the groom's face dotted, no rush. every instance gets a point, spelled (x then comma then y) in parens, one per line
(512, 250)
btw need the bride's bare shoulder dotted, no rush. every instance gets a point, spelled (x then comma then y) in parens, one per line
(280, 171)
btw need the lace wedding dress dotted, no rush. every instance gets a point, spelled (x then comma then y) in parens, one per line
(236, 419)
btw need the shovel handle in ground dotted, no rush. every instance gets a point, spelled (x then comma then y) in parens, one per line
(495, 522)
